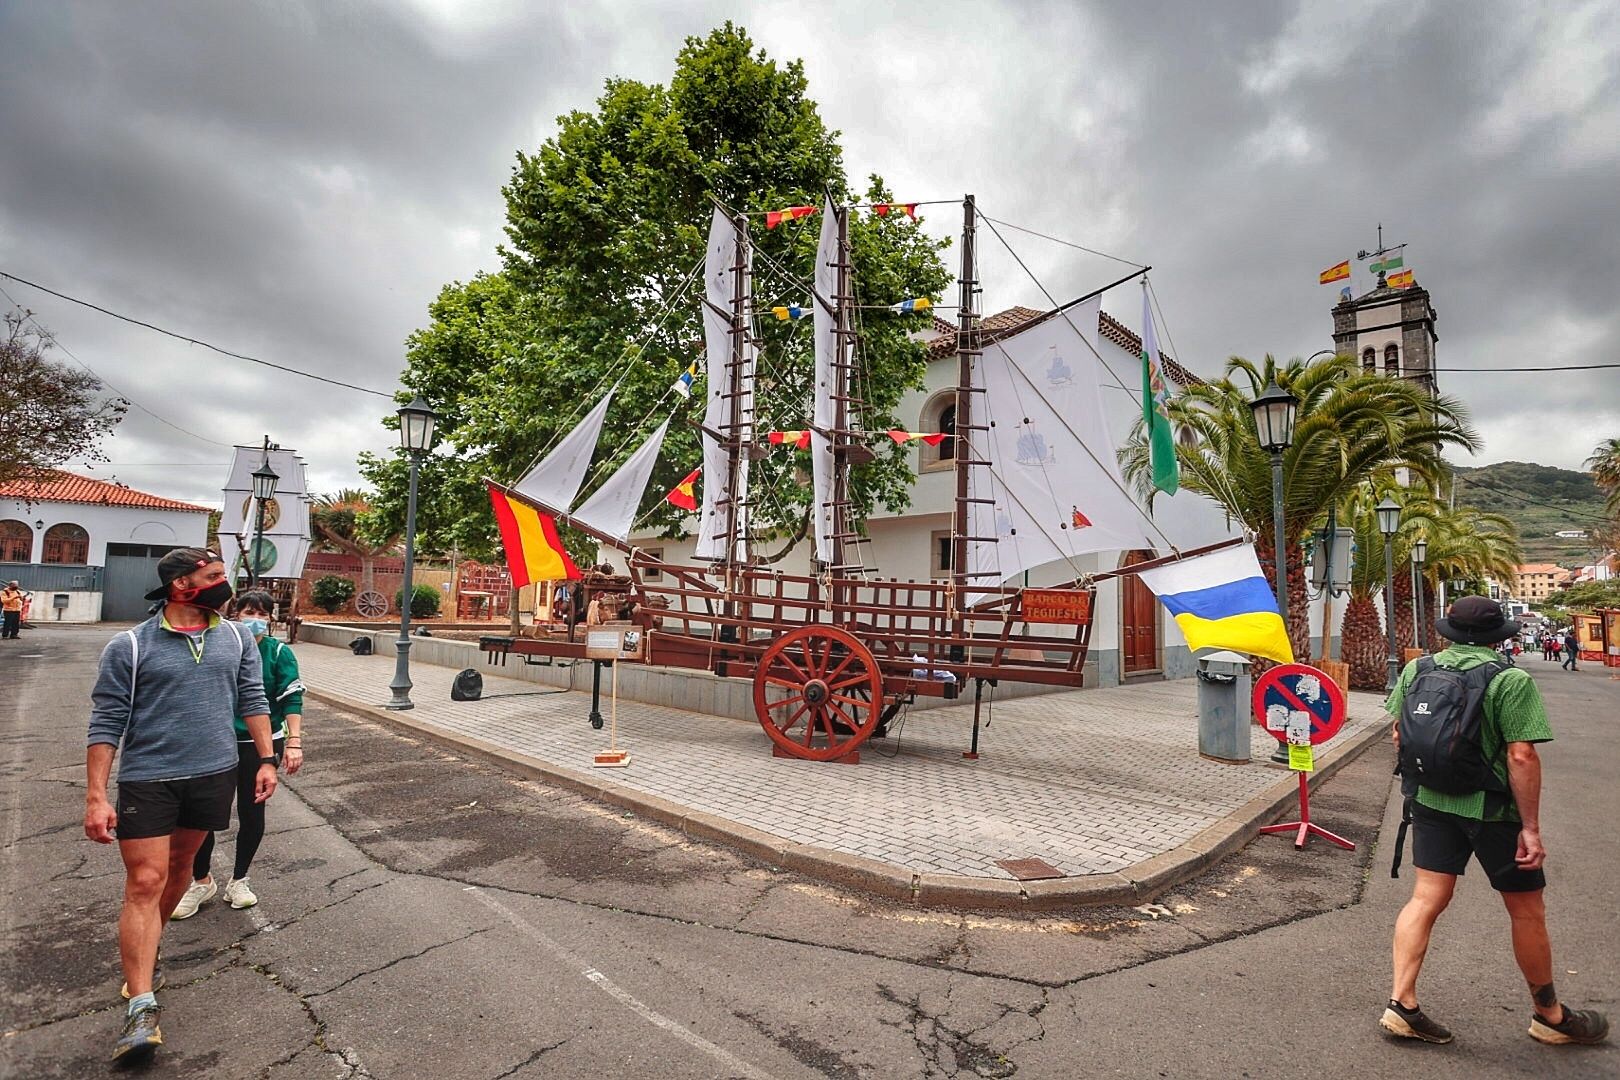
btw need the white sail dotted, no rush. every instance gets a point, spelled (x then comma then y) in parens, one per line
(555, 481)
(823, 408)
(612, 508)
(714, 517)
(1055, 483)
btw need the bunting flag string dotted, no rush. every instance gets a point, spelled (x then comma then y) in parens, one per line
(883, 209)
(909, 307)
(684, 494)
(799, 439)
(683, 385)
(787, 312)
(932, 438)
(774, 218)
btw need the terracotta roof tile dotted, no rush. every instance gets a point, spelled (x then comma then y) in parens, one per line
(66, 487)
(1003, 323)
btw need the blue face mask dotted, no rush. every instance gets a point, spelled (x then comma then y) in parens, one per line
(257, 627)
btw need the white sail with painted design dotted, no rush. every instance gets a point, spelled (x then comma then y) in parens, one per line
(824, 408)
(719, 500)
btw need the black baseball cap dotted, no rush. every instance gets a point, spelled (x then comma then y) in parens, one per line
(177, 564)
(1476, 620)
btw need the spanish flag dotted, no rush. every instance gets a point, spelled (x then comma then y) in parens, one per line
(800, 439)
(1334, 273)
(533, 550)
(1401, 279)
(684, 494)
(932, 438)
(773, 218)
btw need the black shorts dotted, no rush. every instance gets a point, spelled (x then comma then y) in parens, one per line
(148, 808)
(1443, 842)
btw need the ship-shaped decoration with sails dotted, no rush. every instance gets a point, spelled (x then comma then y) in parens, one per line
(834, 654)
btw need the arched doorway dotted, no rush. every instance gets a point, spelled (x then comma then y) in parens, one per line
(1138, 621)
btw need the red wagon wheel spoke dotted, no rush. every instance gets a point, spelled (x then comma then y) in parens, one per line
(835, 685)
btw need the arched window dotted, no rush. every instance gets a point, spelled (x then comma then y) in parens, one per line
(16, 541)
(1392, 360)
(66, 544)
(938, 414)
(1369, 359)
(947, 424)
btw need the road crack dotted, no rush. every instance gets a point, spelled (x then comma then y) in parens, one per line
(401, 960)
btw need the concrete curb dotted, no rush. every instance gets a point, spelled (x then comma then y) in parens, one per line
(1133, 885)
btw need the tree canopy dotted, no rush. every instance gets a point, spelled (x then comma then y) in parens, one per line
(49, 413)
(605, 229)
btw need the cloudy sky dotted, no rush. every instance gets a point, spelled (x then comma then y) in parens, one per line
(296, 180)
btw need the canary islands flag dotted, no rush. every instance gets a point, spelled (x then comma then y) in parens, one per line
(534, 552)
(1222, 601)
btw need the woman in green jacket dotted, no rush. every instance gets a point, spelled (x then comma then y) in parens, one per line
(286, 694)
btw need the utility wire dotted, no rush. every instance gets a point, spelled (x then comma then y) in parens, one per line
(1584, 515)
(193, 341)
(1065, 243)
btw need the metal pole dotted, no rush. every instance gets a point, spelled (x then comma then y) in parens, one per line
(1422, 621)
(1279, 562)
(253, 553)
(1394, 672)
(1417, 607)
(401, 686)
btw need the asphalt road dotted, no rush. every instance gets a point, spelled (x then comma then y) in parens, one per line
(423, 915)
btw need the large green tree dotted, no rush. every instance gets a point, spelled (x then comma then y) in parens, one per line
(49, 413)
(605, 227)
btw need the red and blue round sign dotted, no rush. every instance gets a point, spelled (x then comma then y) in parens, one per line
(1298, 703)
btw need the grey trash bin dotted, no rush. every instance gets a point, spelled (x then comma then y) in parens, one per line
(1224, 720)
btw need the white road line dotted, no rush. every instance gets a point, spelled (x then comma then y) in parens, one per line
(732, 1062)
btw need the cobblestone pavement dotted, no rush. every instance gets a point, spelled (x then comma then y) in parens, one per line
(1091, 781)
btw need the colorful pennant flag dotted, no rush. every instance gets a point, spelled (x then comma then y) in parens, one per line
(683, 385)
(1079, 520)
(1400, 280)
(800, 439)
(790, 311)
(684, 494)
(1334, 273)
(907, 307)
(1155, 407)
(534, 552)
(884, 209)
(774, 218)
(1221, 601)
(932, 438)
(1392, 261)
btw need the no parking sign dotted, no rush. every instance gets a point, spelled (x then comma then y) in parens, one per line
(1299, 706)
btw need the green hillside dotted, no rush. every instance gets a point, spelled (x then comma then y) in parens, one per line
(1541, 500)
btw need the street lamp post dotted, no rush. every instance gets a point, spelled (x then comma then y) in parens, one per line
(1274, 412)
(1420, 552)
(416, 435)
(264, 489)
(1389, 522)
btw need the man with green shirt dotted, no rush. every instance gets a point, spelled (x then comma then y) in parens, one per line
(1501, 828)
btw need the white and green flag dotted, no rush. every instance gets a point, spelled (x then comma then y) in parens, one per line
(1155, 406)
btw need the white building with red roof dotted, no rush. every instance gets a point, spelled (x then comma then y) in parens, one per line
(88, 549)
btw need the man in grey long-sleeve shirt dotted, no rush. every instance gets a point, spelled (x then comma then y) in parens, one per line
(166, 699)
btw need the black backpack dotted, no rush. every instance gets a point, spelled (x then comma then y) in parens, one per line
(468, 685)
(1442, 713)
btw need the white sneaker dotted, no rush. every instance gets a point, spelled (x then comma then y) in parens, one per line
(196, 893)
(238, 894)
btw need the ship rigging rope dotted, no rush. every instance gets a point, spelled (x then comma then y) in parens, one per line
(1065, 243)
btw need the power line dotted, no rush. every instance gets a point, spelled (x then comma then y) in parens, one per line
(1574, 513)
(1559, 367)
(191, 340)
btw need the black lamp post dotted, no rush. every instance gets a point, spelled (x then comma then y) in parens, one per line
(1420, 552)
(416, 435)
(264, 489)
(1274, 412)
(1389, 523)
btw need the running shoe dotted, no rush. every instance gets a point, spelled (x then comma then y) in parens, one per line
(1412, 1024)
(1582, 1026)
(140, 1038)
(238, 894)
(196, 894)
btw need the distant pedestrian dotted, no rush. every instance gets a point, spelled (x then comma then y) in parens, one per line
(285, 692)
(1466, 728)
(165, 700)
(1572, 649)
(11, 606)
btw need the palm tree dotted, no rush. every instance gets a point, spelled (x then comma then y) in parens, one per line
(336, 519)
(1605, 466)
(1352, 426)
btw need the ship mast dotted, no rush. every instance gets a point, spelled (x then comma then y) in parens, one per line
(843, 531)
(738, 424)
(965, 438)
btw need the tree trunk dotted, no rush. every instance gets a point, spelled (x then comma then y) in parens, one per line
(1363, 645)
(1431, 640)
(1405, 613)
(1299, 625)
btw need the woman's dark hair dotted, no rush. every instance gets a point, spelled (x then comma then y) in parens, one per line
(257, 599)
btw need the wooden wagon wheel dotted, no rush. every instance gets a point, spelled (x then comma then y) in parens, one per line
(815, 675)
(372, 604)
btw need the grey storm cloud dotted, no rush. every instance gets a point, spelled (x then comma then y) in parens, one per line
(296, 181)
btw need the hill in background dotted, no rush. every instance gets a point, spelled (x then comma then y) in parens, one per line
(1541, 500)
